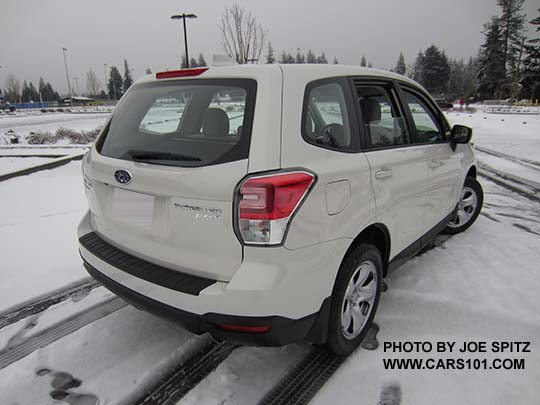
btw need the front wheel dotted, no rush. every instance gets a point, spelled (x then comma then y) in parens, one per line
(468, 207)
(354, 299)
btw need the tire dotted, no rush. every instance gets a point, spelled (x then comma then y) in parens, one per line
(364, 262)
(466, 214)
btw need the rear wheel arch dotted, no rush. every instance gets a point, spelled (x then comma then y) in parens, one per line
(378, 236)
(472, 172)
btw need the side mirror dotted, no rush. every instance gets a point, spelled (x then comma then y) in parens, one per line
(460, 134)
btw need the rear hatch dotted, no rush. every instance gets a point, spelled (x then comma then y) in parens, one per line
(161, 179)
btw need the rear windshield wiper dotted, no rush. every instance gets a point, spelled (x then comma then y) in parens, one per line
(143, 156)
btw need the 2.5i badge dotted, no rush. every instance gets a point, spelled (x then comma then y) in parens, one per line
(202, 213)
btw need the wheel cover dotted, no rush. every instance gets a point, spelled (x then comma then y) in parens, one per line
(466, 208)
(359, 299)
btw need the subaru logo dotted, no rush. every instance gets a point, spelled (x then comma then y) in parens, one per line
(122, 176)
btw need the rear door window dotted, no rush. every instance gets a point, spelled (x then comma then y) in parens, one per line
(183, 123)
(383, 122)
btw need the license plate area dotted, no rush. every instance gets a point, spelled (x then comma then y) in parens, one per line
(135, 209)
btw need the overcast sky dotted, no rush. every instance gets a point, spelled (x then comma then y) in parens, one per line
(95, 32)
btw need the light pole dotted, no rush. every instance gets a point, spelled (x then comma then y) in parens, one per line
(67, 77)
(183, 17)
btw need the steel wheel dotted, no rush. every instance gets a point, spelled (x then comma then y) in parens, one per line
(358, 300)
(466, 208)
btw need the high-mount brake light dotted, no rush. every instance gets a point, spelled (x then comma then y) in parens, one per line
(267, 203)
(181, 73)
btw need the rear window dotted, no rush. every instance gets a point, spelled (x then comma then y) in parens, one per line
(183, 123)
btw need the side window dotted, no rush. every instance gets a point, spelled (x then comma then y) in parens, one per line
(326, 120)
(427, 128)
(383, 124)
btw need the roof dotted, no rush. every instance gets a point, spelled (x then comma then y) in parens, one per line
(311, 72)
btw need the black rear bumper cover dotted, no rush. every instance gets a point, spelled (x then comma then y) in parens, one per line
(312, 328)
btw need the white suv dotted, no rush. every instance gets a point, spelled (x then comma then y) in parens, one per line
(264, 204)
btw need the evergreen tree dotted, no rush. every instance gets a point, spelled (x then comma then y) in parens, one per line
(322, 59)
(201, 62)
(102, 95)
(369, 65)
(52, 94)
(335, 61)
(416, 72)
(12, 89)
(310, 57)
(25, 95)
(400, 65)
(115, 84)
(512, 22)
(128, 79)
(42, 86)
(34, 94)
(363, 61)
(456, 80)
(270, 54)
(530, 78)
(470, 73)
(434, 70)
(491, 73)
(193, 63)
(300, 58)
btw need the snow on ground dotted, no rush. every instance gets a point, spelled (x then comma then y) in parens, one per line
(517, 135)
(46, 122)
(246, 375)
(38, 222)
(11, 164)
(530, 173)
(116, 358)
(11, 334)
(24, 125)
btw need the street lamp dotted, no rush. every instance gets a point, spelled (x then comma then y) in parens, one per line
(183, 17)
(64, 50)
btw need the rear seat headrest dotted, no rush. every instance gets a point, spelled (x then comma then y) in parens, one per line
(215, 123)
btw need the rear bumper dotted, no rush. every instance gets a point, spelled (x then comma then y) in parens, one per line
(282, 330)
(286, 290)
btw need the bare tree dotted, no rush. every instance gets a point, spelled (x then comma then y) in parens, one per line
(13, 88)
(242, 37)
(92, 83)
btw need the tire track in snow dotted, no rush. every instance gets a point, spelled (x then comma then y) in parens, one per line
(185, 377)
(531, 164)
(9, 355)
(301, 384)
(510, 182)
(40, 304)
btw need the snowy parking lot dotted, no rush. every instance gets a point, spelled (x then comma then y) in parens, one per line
(65, 339)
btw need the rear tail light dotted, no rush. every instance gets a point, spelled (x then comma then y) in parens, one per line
(266, 205)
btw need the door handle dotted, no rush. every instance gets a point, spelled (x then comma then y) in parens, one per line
(435, 163)
(383, 174)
